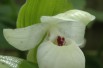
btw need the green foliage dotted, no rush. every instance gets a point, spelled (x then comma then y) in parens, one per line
(78, 4)
(13, 62)
(32, 10)
(31, 56)
(92, 61)
(98, 14)
(26, 64)
(7, 20)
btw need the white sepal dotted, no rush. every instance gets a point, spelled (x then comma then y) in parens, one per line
(71, 15)
(77, 15)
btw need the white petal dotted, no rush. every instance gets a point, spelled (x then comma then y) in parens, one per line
(77, 15)
(26, 38)
(69, 28)
(50, 55)
(53, 34)
(71, 15)
(53, 19)
(74, 30)
(72, 24)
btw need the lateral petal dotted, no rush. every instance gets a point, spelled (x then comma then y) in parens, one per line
(26, 38)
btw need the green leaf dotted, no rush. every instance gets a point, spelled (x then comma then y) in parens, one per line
(13, 62)
(3, 65)
(3, 43)
(32, 55)
(32, 10)
(26, 64)
(8, 11)
(92, 61)
(7, 20)
(78, 4)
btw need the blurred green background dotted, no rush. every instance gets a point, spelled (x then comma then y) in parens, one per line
(93, 49)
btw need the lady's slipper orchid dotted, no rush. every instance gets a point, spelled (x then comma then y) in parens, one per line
(61, 35)
(70, 24)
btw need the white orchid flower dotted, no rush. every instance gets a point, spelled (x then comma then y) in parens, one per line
(61, 34)
(73, 24)
(61, 53)
(58, 51)
(70, 24)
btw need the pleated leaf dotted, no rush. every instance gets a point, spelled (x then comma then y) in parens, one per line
(32, 10)
(13, 62)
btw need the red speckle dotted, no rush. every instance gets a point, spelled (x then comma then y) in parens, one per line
(60, 41)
